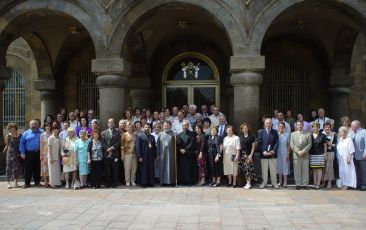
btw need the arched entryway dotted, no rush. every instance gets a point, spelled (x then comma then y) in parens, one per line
(191, 36)
(62, 48)
(308, 49)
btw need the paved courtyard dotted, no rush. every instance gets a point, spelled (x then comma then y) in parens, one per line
(181, 208)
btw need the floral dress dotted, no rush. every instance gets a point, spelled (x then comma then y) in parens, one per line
(246, 168)
(213, 150)
(44, 154)
(13, 158)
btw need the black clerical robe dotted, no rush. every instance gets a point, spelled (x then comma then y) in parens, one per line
(145, 150)
(186, 162)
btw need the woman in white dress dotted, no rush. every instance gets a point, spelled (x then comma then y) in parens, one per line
(54, 150)
(69, 160)
(345, 150)
(231, 155)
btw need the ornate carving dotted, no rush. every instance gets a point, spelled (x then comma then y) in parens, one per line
(190, 69)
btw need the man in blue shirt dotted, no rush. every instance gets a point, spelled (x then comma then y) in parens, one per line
(29, 150)
(358, 136)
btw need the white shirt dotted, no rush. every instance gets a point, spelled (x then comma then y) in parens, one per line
(214, 120)
(177, 127)
(74, 124)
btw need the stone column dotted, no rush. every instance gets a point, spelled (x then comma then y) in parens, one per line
(339, 103)
(140, 92)
(111, 81)
(5, 74)
(48, 97)
(141, 98)
(246, 78)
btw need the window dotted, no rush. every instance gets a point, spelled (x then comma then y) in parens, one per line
(87, 92)
(14, 100)
(285, 86)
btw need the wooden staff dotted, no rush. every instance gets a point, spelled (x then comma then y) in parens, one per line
(175, 160)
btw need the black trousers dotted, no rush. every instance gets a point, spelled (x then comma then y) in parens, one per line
(32, 167)
(360, 166)
(112, 171)
(96, 171)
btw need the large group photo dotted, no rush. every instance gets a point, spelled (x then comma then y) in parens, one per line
(187, 146)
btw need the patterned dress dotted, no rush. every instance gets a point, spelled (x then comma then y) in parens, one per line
(201, 147)
(44, 154)
(246, 168)
(215, 168)
(13, 158)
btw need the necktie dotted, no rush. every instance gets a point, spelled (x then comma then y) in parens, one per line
(221, 128)
(354, 137)
(267, 131)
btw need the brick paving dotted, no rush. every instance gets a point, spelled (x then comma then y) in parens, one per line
(181, 208)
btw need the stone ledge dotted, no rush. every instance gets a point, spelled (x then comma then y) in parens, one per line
(41, 85)
(111, 66)
(245, 63)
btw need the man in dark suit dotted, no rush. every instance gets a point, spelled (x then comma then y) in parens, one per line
(112, 140)
(268, 144)
(221, 129)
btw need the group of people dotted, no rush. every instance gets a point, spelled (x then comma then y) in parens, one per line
(186, 147)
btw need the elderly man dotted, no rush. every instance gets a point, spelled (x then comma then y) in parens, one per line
(321, 118)
(358, 136)
(191, 116)
(204, 111)
(221, 128)
(177, 126)
(215, 116)
(268, 144)
(29, 150)
(301, 144)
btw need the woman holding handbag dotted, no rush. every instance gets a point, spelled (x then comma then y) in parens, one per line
(69, 160)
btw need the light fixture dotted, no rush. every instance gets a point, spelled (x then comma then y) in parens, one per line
(74, 30)
(299, 23)
(183, 24)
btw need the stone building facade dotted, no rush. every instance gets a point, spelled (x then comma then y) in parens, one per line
(255, 55)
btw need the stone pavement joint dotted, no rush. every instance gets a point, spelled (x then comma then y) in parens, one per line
(181, 208)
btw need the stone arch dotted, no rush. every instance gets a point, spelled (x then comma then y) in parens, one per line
(234, 30)
(75, 10)
(265, 18)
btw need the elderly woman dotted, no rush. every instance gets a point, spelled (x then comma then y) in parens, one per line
(69, 159)
(128, 155)
(329, 158)
(44, 151)
(12, 154)
(54, 150)
(318, 150)
(231, 155)
(345, 150)
(214, 157)
(95, 150)
(83, 158)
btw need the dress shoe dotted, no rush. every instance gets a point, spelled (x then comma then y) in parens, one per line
(216, 185)
(229, 185)
(25, 186)
(306, 187)
(363, 188)
(276, 186)
(247, 187)
(298, 187)
(262, 186)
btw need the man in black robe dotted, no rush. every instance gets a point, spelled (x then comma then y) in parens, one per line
(186, 157)
(146, 153)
